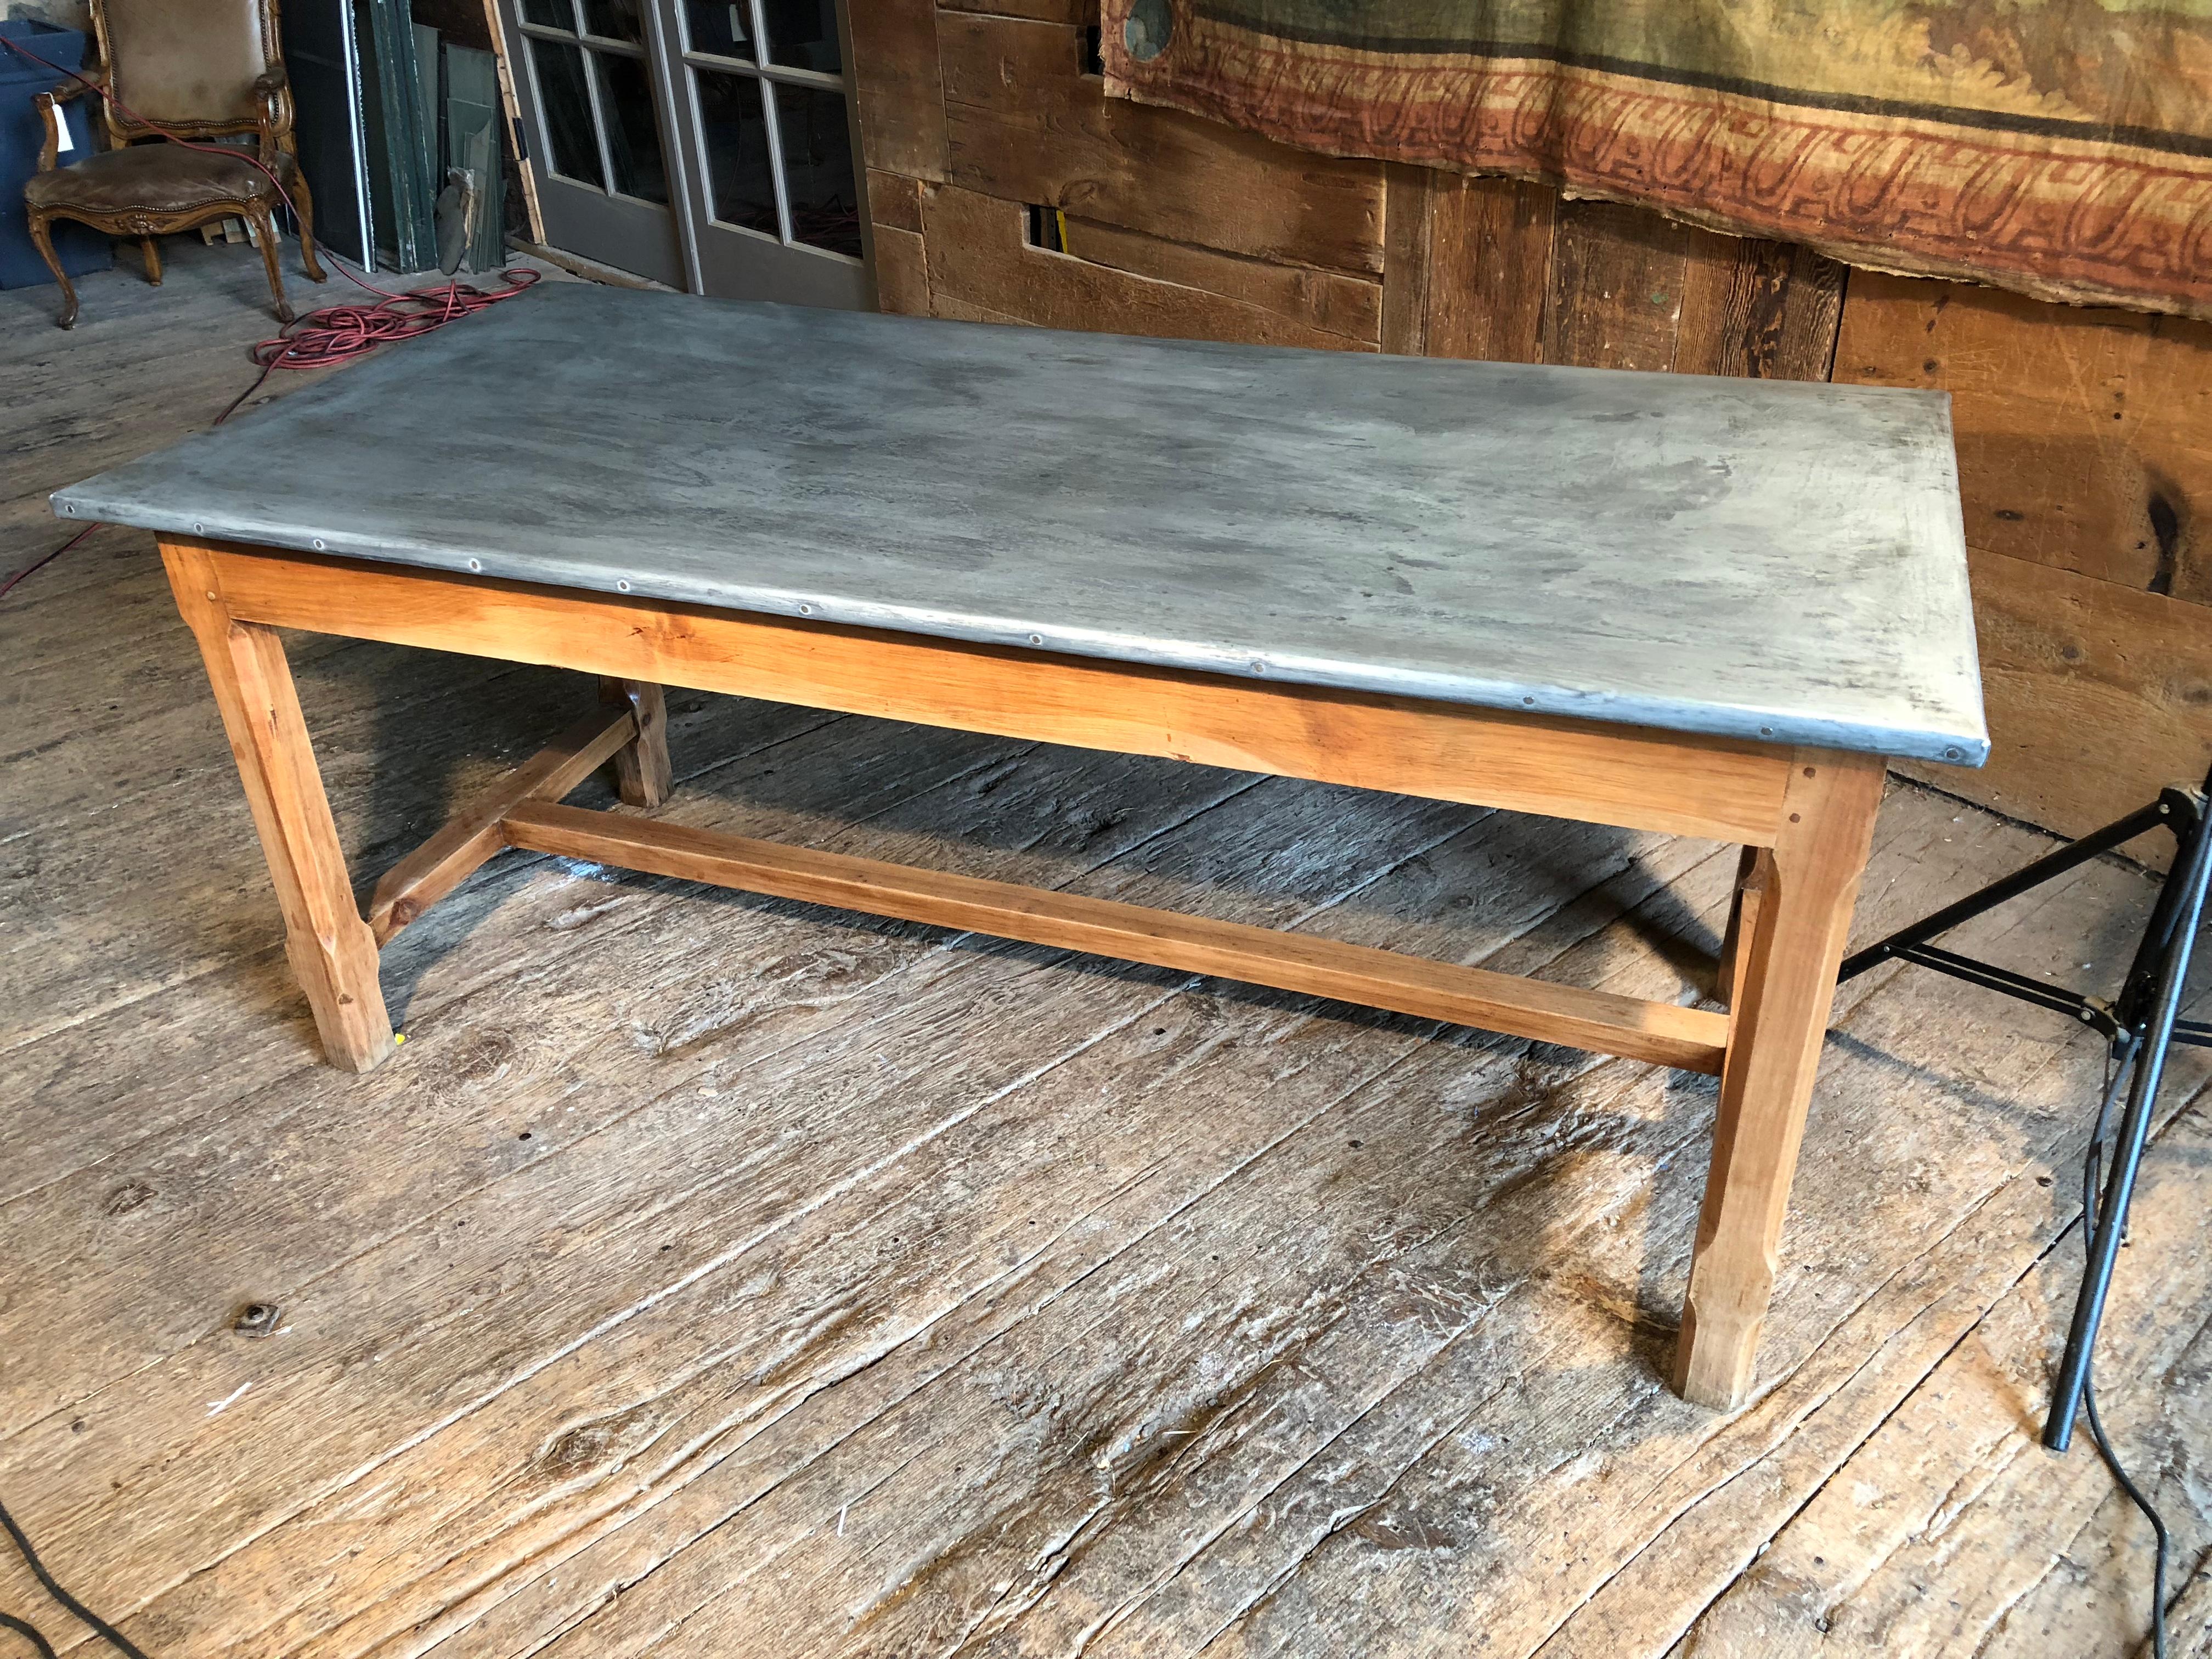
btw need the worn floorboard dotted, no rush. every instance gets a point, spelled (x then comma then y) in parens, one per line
(711, 1275)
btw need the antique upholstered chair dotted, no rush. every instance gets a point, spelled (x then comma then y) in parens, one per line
(206, 70)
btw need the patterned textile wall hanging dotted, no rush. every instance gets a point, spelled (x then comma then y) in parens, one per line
(2062, 148)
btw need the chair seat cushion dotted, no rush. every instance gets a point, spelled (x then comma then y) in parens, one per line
(158, 178)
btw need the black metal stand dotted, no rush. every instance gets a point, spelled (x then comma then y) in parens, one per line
(2141, 1024)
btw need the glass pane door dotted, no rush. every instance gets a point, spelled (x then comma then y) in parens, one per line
(709, 144)
(586, 74)
(776, 210)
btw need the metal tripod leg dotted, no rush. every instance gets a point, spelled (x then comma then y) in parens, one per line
(2172, 809)
(2170, 942)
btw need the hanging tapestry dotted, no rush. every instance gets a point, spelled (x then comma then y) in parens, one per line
(2063, 148)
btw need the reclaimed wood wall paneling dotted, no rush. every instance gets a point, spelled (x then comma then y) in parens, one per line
(2085, 436)
(2085, 464)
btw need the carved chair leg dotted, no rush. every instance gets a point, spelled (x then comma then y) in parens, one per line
(150, 250)
(303, 206)
(265, 227)
(42, 239)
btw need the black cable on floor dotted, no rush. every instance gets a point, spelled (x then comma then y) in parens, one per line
(100, 1627)
(2092, 1173)
(29, 1632)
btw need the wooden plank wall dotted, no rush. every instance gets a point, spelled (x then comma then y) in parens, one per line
(1006, 187)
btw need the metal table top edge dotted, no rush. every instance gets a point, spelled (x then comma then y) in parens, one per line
(132, 495)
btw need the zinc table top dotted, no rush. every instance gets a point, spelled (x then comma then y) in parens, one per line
(1744, 558)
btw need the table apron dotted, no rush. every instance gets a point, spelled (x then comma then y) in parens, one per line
(1721, 788)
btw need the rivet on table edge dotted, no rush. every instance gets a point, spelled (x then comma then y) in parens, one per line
(805, 610)
(1259, 668)
(476, 564)
(622, 587)
(319, 544)
(1765, 731)
(69, 510)
(199, 529)
(1950, 754)
(1037, 639)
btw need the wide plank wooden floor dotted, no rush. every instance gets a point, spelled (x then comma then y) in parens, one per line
(726, 1277)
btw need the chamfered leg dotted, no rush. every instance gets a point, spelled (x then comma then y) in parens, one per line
(1794, 922)
(642, 775)
(331, 950)
(150, 250)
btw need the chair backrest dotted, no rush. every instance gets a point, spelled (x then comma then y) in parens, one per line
(188, 64)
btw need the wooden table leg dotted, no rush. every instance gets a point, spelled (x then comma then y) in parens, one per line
(1750, 879)
(332, 948)
(1794, 924)
(642, 775)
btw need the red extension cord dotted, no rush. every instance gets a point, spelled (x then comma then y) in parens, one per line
(335, 334)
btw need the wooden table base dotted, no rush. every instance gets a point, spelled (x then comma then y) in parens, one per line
(1806, 817)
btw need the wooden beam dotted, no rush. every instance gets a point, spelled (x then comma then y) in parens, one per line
(1628, 776)
(1328, 301)
(1761, 310)
(1691, 1038)
(1490, 260)
(446, 860)
(977, 252)
(1618, 274)
(1408, 231)
(1025, 124)
(896, 88)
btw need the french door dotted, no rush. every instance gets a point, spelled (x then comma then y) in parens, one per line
(709, 144)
